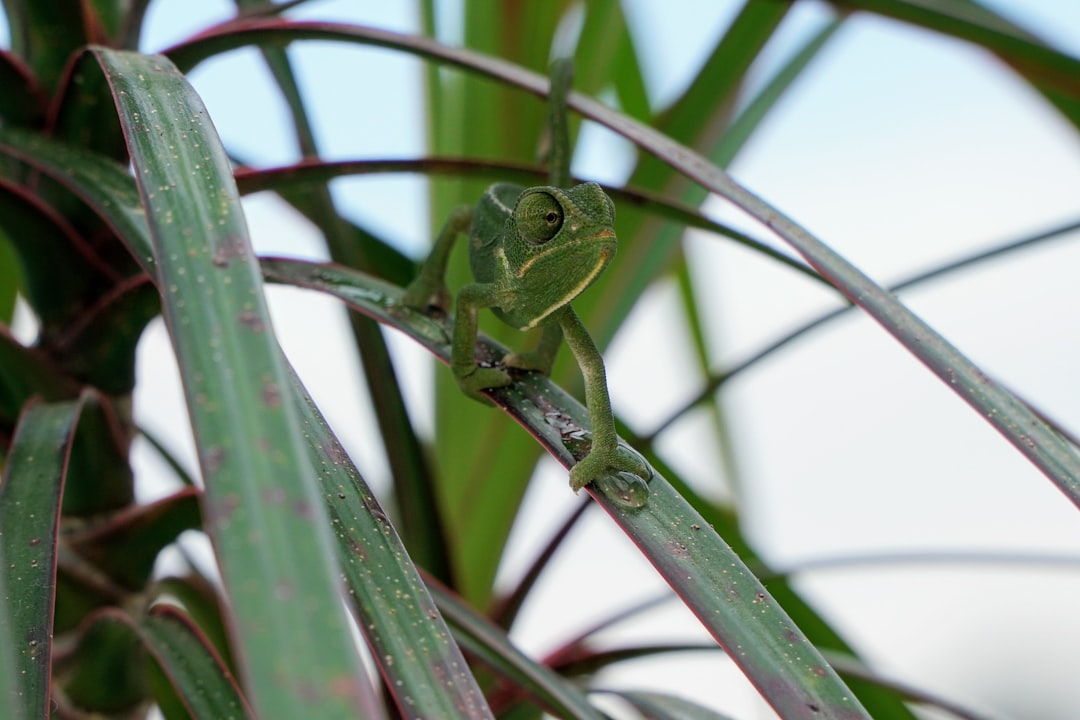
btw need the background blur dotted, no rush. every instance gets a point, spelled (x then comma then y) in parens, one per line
(951, 565)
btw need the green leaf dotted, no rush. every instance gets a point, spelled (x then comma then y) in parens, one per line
(9, 280)
(203, 606)
(662, 706)
(489, 642)
(108, 666)
(424, 669)
(127, 544)
(24, 373)
(29, 519)
(22, 102)
(45, 35)
(100, 479)
(60, 271)
(421, 523)
(196, 675)
(394, 630)
(261, 502)
(701, 567)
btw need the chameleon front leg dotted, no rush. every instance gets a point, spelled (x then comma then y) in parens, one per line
(429, 289)
(606, 456)
(542, 357)
(472, 378)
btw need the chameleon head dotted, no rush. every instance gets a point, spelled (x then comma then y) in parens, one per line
(557, 242)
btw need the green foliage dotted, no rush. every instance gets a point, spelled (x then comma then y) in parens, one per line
(97, 252)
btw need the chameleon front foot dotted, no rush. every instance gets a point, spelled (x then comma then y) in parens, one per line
(478, 379)
(423, 294)
(602, 463)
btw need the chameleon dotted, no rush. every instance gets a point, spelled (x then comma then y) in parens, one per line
(531, 252)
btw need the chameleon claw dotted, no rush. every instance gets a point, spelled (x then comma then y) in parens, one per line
(600, 463)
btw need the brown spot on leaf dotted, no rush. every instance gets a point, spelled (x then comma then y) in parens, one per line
(304, 509)
(271, 393)
(251, 320)
(226, 250)
(226, 507)
(213, 458)
(274, 495)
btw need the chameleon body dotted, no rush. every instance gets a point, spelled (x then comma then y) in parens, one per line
(532, 251)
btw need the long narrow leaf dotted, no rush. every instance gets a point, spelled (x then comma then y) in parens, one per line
(29, 517)
(421, 523)
(195, 672)
(396, 631)
(489, 642)
(424, 669)
(702, 569)
(261, 503)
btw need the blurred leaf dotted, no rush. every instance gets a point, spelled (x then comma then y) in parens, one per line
(116, 22)
(24, 373)
(261, 507)
(106, 672)
(194, 671)
(60, 271)
(489, 642)
(507, 608)
(662, 706)
(718, 378)
(99, 477)
(307, 172)
(103, 184)
(30, 495)
(127, 544)
(99, 346)
(45, 35)
(22, 102)
(606, 55)
(9, 280)
(201, 602)
(168, 457)
(722, 153)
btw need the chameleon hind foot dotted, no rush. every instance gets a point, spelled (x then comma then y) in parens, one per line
(609, 462)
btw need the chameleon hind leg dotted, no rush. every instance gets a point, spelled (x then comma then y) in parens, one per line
(606, 456)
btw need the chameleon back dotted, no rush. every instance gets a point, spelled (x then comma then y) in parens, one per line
(489, 228)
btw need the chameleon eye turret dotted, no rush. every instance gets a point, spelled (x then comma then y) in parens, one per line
(538, 217)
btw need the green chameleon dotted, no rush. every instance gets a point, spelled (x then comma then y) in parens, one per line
(532, 251)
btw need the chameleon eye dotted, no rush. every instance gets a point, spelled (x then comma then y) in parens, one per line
(539, 217)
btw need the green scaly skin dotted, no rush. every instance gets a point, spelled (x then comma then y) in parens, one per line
(532, 251)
